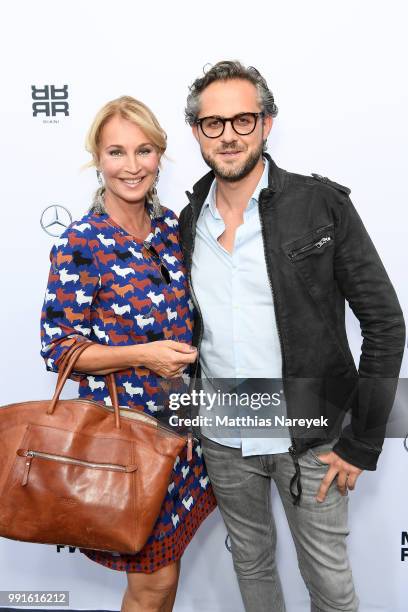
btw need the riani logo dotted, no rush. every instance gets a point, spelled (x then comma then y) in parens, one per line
(50, 102)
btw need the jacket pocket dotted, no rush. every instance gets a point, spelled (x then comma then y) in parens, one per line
(311, 261)
(314, 243)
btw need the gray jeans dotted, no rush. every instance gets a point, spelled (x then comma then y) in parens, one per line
(319, 530)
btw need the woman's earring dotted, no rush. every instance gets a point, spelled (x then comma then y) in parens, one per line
(157, 207)
(98, 204)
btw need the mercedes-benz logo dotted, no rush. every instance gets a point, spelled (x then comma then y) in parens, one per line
(55, 219)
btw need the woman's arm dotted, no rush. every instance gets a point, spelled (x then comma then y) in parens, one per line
(73, 283)
(164, 357)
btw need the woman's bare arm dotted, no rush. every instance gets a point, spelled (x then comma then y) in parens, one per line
(164, 357)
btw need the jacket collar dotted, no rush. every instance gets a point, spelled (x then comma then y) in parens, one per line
(276, 179)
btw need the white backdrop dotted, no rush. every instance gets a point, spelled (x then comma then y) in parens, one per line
(338, 72)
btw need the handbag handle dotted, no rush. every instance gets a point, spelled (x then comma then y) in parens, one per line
(68, 356)
(71, 358)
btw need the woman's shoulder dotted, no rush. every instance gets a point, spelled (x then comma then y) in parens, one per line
(168, 212)
(168, 217)
(84, 229)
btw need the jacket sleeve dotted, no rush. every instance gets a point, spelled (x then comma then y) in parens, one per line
(362, 279)
(73, 282)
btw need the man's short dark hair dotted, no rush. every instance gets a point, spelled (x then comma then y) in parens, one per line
(225, 71)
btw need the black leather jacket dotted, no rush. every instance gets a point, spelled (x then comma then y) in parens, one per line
(318, 254)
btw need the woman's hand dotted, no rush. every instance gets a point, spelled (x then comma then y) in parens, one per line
(167, 358)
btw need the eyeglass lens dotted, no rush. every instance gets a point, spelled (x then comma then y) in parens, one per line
(243, 124)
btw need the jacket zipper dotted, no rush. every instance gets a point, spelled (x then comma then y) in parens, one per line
(311, 245)
(30, 454)
(193, 296)
(292, 448)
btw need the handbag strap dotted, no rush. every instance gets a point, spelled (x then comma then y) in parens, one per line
(68, 355)
(68, 364)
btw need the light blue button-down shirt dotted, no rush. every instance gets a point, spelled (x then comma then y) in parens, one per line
(240, 338)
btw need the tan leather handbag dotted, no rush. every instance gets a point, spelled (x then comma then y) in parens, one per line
(79, 473)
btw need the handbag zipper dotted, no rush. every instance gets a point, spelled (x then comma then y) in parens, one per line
(146, 418)
(30, 454)
(312, 245)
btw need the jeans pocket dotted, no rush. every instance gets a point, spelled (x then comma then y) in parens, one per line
(313, 454)
(321, 449)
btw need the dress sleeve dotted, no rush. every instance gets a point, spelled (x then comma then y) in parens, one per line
(73, 283)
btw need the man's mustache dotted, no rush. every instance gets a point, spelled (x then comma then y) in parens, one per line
(229, 149)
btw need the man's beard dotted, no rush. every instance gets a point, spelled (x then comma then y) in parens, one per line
(237, 173)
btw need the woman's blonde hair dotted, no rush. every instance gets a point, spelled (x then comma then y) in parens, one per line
(136, 112)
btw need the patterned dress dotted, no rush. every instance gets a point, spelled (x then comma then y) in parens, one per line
(104, 285)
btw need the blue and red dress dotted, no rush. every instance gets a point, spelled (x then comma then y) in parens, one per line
(104, 286)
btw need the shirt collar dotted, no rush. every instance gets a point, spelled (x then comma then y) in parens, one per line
(253, 201)
(263, 184)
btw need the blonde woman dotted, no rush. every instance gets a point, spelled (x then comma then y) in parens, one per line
(117, 278)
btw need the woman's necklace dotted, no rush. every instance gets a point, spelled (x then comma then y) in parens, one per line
(140, 234)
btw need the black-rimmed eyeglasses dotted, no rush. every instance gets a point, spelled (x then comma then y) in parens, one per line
(164, 273)
(243, 124)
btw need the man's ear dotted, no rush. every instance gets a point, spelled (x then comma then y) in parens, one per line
(267, 126)
(194, 129)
